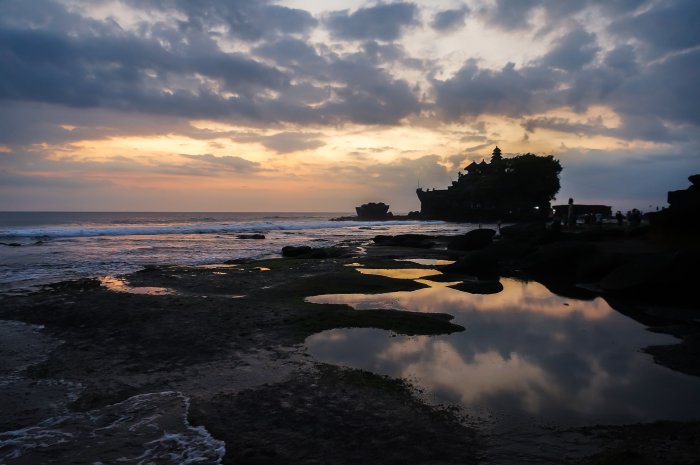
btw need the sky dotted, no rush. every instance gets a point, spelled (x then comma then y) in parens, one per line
(300, 105)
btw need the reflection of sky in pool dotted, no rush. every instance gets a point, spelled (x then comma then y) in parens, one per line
(526, 353)
(120, 285)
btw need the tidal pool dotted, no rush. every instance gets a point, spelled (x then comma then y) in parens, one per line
(115, 284)
(527, 356)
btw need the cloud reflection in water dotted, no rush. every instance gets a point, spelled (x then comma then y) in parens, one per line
(525, 352)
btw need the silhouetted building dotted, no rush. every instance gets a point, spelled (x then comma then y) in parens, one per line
(517, 188)
(683, 213)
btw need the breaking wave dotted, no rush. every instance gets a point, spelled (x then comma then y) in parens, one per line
(199, 228)
(144, 429)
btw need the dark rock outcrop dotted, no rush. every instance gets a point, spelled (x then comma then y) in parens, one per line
(373, 211)
(479, 287)
(558, 259)
(484, 264)
(420, 241)
(251, 236)
(304, 251)
(295, 251)
(472, 240)
(682, 217)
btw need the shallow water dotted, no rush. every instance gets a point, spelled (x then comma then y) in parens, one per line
(116, 284)
(144, 429)
(527, 357)
(54, 246)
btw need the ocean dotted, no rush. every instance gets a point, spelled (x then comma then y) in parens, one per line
(38, 248)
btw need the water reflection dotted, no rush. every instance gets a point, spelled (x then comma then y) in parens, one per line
(426, 261)
(526, 355)
(407, 273)
(120, 285)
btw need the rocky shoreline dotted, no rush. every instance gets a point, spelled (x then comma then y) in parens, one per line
(230, 339)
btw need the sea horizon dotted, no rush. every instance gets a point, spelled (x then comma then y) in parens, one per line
(38, 248)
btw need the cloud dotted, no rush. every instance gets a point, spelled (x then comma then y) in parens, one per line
(664, 27)
(565, 125)
(249, 20)
(286, 142)
(449, 20)
(573, 51)
(13, 179)
(385, 22)
(511, 92)
(664, 90)
(231, 163)
(510, 15)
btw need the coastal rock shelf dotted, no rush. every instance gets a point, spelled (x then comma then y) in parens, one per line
(325, 346)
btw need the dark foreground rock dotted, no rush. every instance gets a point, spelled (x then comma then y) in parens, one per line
(472, 240)
(250, 236)
(295, 251)
(336, 416)
(479, 287)
(230, 339)
(419, 241)
(304, 251)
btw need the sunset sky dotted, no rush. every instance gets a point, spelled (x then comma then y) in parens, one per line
(300, 105)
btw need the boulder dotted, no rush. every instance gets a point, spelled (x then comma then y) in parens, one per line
(644, 274)
(559, 259)
(479, 287)
(594, 267)
(295, 251)
(483, 264)
(668, 278)
(305, 251)
(251, 236)
(524, 231)
(420, 241)
(476, 239)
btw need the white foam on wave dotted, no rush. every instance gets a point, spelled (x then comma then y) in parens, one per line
(198, 228)
(143, 429)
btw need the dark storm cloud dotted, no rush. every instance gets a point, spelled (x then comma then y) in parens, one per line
(643, 96)
(369, 95)
(449, 20)
(174, 67)
(667, 26)
(179, 70)
(244, 19)
(292, 53)
(573, 51)
(517, 15)
(127, 73)
(667, 90)
(509, 91)
(381, 22)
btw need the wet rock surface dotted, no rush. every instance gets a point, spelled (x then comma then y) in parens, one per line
(338, 416)
(228, 338)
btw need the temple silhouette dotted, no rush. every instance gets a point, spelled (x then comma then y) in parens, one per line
(517, 188)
